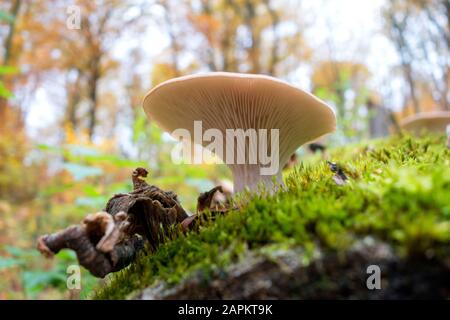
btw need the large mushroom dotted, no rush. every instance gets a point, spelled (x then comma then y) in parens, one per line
(436, 121)
(230, 101)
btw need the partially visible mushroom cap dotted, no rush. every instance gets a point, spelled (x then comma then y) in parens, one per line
(427, 122)
(241, 101)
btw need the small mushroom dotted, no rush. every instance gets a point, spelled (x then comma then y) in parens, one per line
(427, 122)
(222, 101)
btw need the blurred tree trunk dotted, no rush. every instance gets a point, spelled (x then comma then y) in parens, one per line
(233, 34)
(95, 35)
(206, 10)
(74, 95)
(255, 36)
(379, 121)
(83, 56)
(8, 41)
(332, 81)
(447, 71)
(274, 57)
(443, 29)
(93, 93)
(445, 34)
(8, 44)
(226, 42)
(398, 36)
(174, 46)
(420, 31)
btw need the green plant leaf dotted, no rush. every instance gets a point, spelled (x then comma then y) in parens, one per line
(5, 93)
(6, 17)
(80, 172)
(36, 281)
(6, 263)
(8, 70)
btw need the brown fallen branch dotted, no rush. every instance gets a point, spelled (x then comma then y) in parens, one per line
(108, 241)
(97, 262)
(395, 123)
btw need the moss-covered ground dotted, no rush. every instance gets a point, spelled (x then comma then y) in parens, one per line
(398, 191)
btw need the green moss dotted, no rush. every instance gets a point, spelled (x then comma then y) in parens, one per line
(399, 191)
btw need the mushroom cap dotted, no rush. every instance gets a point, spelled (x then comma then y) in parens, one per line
(223, 100)
(436, 121)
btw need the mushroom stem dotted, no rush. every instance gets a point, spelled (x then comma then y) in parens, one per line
(247, 175)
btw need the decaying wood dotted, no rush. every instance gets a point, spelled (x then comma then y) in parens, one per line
(205, 202)
(109, 240)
